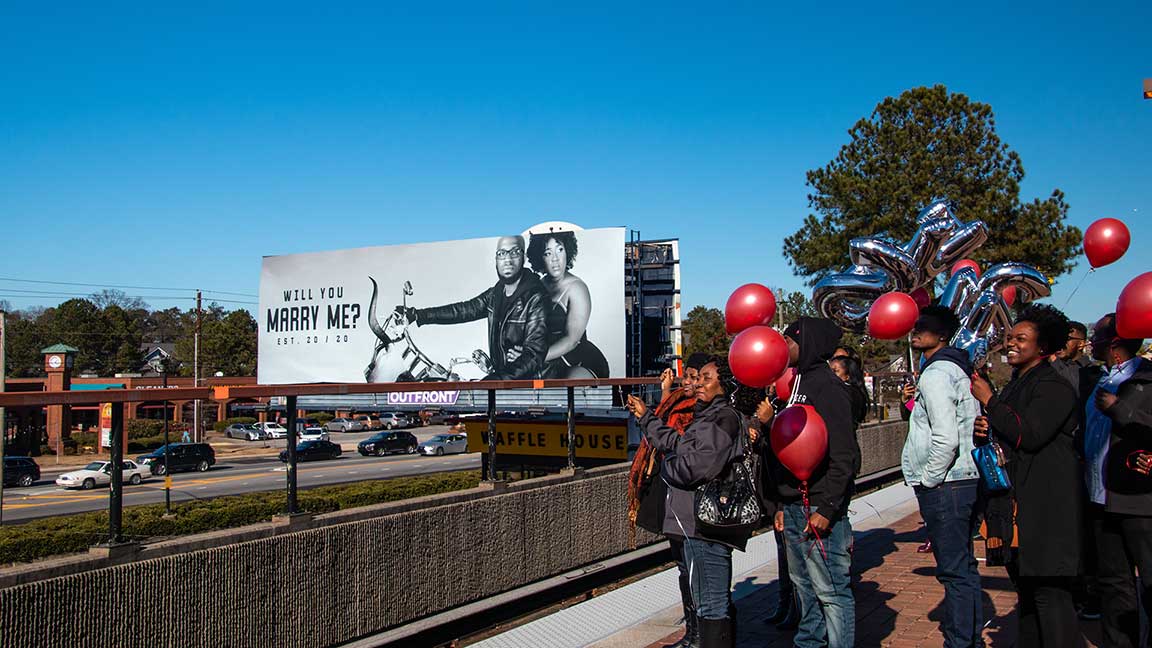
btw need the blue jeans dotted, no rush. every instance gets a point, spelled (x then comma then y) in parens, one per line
(822, 581)
(948, 512)
(710, 576)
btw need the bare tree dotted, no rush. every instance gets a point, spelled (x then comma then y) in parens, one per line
(113, 297)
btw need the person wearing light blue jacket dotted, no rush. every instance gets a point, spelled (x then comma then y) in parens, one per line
(937, 462)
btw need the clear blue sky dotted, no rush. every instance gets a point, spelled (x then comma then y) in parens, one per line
(170, 146)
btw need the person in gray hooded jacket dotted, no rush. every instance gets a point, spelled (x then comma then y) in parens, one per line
(937, 462)
(701, 454)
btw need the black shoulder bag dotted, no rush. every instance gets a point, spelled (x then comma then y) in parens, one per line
(728, 507)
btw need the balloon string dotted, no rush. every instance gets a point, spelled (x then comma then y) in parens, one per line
(808, 516)
(1077, 288)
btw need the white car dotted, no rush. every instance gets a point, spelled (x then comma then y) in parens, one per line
(273, 430)
(443, 444)
(99, 473)
(314, 434)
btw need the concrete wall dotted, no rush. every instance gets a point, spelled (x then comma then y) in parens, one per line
(880, 446)
(352, 574)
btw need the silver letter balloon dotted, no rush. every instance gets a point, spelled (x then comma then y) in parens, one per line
(880, 266)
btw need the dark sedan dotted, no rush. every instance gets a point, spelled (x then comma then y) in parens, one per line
(313, 451)
(383, 443)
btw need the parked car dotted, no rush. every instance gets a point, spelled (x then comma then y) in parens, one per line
(314, 450)
(20, 471)
(394, 420)
(314, 434)
(370, 422)
(304, 423)
(443, 444)
(383, 443)
(245, 431)
(183, 456)
(432, 417)
(273, 430)
(99, 473)
(344, 425)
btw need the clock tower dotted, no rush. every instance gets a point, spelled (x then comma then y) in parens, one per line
(58, 361)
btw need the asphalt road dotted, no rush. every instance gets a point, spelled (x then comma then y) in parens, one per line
(247, 475)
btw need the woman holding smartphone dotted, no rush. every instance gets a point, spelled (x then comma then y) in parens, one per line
(1034, 418)
(691, 460)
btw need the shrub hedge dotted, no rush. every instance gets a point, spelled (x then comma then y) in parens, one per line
(73, 533)
(150, 428)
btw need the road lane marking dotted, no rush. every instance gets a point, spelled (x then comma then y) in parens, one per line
(61, 496)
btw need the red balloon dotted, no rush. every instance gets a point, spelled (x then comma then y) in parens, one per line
(783, 384)
(892, 316)
(750, 305)
(1134, 309)
(966, 263)
(921, 297)
(1009, 295)
(758, 356)
(800, 440)
(1105, 241)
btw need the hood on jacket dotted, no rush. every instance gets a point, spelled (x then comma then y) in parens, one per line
(817, 338)
(529, 283)
(958, 357)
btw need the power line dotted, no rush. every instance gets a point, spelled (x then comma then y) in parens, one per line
(101, 285)
(29, 294)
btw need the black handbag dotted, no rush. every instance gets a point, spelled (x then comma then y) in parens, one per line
(728, 508)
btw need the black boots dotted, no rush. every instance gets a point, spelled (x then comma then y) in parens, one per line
(717, 633)
(691, 638)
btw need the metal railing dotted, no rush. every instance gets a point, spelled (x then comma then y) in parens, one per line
(290, 392)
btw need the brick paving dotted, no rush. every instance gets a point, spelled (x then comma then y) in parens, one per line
(898, 601)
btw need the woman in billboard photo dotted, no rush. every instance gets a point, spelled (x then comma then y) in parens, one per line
(570, 353)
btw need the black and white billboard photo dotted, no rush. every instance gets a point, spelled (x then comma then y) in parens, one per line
(546, 303)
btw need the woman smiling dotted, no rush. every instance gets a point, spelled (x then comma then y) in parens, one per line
(570, 354)
(1034, 418)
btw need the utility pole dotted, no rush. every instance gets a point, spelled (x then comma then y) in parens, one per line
(196, 372)
(3, 418)
(167, 442)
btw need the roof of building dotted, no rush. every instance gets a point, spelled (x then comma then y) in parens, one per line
(60, 348)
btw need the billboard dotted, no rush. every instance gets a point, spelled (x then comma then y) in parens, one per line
(543, 305)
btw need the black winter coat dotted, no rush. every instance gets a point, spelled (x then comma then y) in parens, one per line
(516, 321)
(1035, 419)
(1129, 492)
(691, 459)
(832, 484)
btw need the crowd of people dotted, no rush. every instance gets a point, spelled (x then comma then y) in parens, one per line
(1050, 470)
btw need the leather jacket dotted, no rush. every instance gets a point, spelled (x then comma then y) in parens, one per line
(515, 321)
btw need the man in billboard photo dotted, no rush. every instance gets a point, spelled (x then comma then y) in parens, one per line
(516, 310)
